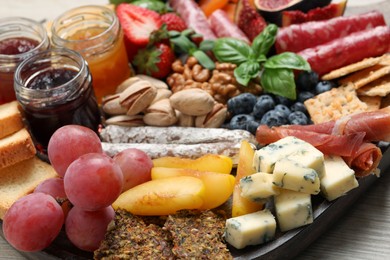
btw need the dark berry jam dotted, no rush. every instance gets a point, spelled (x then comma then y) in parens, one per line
(17, 45)
(51, 78)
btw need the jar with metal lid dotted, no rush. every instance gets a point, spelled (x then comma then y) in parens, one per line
(95, 32)
(19, 39)
(54, 88)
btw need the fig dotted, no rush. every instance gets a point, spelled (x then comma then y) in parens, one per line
(272, 10)
(248, 19)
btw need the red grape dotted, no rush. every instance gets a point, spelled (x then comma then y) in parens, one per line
(136, 167)
(93, 181)
(70, 142)
(33, 222)
(53, 187)
(86, 229)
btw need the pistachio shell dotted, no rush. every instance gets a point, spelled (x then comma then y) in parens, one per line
(160, 113)
(137, 97)
(194, 101)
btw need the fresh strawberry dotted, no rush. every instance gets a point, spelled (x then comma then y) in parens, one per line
(173, 22)
(155, 61)
(137, 23)
(249, 20)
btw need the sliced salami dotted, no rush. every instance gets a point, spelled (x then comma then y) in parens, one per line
(222, 26)
(298, 37)
(193, 16)
(347, 50)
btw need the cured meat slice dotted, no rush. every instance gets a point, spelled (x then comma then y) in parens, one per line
(365, 160)
(349, 49)
(194, 17)
(224, 27)
(298, 37)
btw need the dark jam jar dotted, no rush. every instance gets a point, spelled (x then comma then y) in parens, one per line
(54, 88)
(19, 39)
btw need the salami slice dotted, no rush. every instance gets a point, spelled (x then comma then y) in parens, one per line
(222, 26)
(298, 37)
(347, 50)
(194, 17)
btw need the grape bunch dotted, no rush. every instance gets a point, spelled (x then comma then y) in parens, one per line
(89, 180)
(248, 111)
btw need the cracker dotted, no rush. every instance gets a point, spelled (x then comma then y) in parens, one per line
(363, 77)
(334, 104)
(343, 71)
(373, 103)
(379, 87)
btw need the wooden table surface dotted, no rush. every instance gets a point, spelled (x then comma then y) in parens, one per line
(362, 233)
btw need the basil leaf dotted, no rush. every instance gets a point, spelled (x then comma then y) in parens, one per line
(279, 82)
(287, 60)
(203, 59)
(232, 50)
(246, 71)
(264, 41)
(206, 45)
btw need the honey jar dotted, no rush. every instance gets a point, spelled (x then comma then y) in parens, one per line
(95, 32)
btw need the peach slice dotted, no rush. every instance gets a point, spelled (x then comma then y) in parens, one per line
(241, 205)
(207, 162)
(163, 196)
(218, 186)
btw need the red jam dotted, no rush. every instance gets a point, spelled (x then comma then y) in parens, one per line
(17, 45)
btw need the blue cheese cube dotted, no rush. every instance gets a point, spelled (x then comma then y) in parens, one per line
(294, 176)
(293, 209)
(265, 158)
(258, 186)
(250, 229)
(338, 178)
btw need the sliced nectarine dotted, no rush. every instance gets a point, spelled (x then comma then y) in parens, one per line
(209, 6)
(207, 162)
(241, 205)
(163, 196)
(218, 186)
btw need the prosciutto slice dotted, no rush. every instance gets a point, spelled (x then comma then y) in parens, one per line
(365, 159)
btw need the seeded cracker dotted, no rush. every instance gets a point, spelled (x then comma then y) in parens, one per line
(334, 104)
(379, 87)
(373, 103)
(364, 77)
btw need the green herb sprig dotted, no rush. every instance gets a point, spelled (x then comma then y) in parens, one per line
(275, 73)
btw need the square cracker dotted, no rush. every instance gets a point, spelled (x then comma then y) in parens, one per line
(379, 87)
(365, 76)
(363, 64)
(334, 104)
(373, 103)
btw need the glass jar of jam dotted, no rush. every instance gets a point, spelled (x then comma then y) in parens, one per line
(19, 39)
(54, 88)
(95, 32)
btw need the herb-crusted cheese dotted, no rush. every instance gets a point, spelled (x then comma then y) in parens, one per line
(265, 158)
(338, 178)
(250, 229)
(258, 186)
(294, 176)
(293, 209)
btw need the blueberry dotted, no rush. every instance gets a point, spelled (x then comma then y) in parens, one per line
(241, 104)
(283, 100)
(274, 118)
(307, 80)
(240, 121)
(298, 118)
(283, 109)
(298, 106)
(252, 126)
(324, 86)
(305, 95)
(264, 103)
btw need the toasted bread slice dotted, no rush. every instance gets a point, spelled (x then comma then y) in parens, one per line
(10, 119)
(21, 179)
(16, 148)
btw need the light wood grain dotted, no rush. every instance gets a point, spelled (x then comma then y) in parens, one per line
(362, 233)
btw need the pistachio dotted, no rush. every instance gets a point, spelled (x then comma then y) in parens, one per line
(160, 113)
(137, 97)
(155, 82)
(127, 83)
(213, 119)
(194, 101)
(111, 105)
(125, 120)
(162, 93)
(185, 120)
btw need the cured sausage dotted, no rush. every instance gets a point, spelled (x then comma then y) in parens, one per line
(298, 37)
(194, 17)
(347, 50)
(224, 27)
